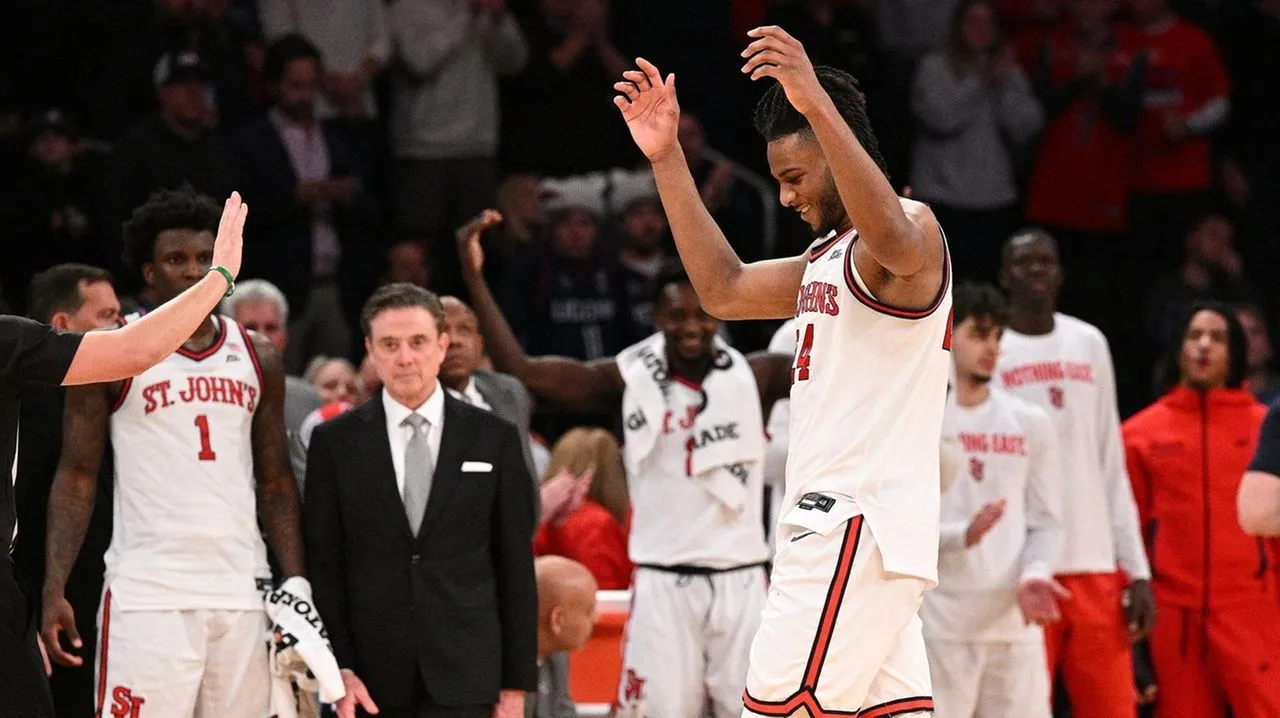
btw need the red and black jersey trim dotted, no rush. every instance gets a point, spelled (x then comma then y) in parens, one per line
(104, 644)
(865, 297)
(821, 248)
(805, 697)
(213, 348)
(253, 355)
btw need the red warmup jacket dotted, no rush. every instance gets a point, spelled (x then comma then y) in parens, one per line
(594, 538)
(1186, 454)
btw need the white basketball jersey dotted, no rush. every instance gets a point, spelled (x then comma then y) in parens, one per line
(675, 521)
(868, 388)
(185, 528)
(1007, 450)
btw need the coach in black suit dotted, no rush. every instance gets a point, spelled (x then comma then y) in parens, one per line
(419, 518)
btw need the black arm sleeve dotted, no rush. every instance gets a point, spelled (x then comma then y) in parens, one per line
(1266, 458)
(34, 353)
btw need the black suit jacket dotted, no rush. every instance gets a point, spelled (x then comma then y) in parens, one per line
(278, 232)
(457, 606)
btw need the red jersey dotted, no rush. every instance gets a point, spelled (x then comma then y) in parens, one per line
(594, 538)
(1184, 73)
(1079, 181)
(1186, 454)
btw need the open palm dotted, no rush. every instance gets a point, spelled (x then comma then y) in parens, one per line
(649, 106)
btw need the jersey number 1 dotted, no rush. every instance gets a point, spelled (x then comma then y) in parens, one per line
(800, 372)
(206, 450)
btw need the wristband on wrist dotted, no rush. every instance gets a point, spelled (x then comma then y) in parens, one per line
(231, 282)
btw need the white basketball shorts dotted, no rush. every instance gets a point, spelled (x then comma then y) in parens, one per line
(182, 664)
(688, 640)
(989, 678)
(839, 635)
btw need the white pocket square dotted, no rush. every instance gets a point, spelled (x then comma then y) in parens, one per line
(469, 467)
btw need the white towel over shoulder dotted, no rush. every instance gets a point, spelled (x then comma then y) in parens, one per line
(731, 382)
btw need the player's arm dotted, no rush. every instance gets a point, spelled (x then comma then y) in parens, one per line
(130, 350)
(1045, 532)
(902, 235)
(1258, 499)
(728, 288)
(279, 509)
(1130, 550)
(773, 377)
(85, 422)
(1139, 478)
(568, 381)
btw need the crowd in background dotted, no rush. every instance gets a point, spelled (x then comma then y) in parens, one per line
(365, 134)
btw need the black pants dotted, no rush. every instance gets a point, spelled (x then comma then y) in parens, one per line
(24, 690)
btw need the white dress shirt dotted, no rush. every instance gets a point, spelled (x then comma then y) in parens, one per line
(432, 410)
(472, 395)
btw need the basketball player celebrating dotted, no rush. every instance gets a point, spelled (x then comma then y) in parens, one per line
(694, 452)
(1063, 365)
(181, 628)
(859, 542)
(1000, 534)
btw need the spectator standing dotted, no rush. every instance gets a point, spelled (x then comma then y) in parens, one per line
(1185, 100)
(54, 207)
(1219, 615)
(70, 298)
(553, 120)
(445, 115)
(316, 215)
(419, 524)
(977, 117)
(353, 38)
(173, 148)
(1088, 76)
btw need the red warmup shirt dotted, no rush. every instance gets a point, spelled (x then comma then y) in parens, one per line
(1185, 72)
(1186, 454)
(1080, 179)
(594, 538)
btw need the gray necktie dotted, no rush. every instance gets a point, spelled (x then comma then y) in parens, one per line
(419, 467)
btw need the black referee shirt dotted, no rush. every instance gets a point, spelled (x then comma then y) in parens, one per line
(30, 353)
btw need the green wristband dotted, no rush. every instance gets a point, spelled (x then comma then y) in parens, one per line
(231, 282)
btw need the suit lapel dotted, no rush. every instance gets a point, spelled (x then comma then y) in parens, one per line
(376, 457)
(457, 427)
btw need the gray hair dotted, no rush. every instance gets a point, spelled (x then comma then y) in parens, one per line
(320, 362)
(257, 290)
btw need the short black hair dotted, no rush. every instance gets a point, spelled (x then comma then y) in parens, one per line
(164, 210)
(400, 295)
(670, 273)
(979, 300)
(57, 289)
(775, 117)
(285, 50)
(1168, 372)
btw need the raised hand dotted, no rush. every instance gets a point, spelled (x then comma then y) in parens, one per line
(649, 106)
(776, 54)
(468, 237)
(229, 245)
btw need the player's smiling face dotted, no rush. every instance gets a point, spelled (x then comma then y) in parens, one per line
(685, 324)
(180, 258)
(805, 183)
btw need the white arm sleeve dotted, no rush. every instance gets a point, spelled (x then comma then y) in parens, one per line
(1043, 499)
